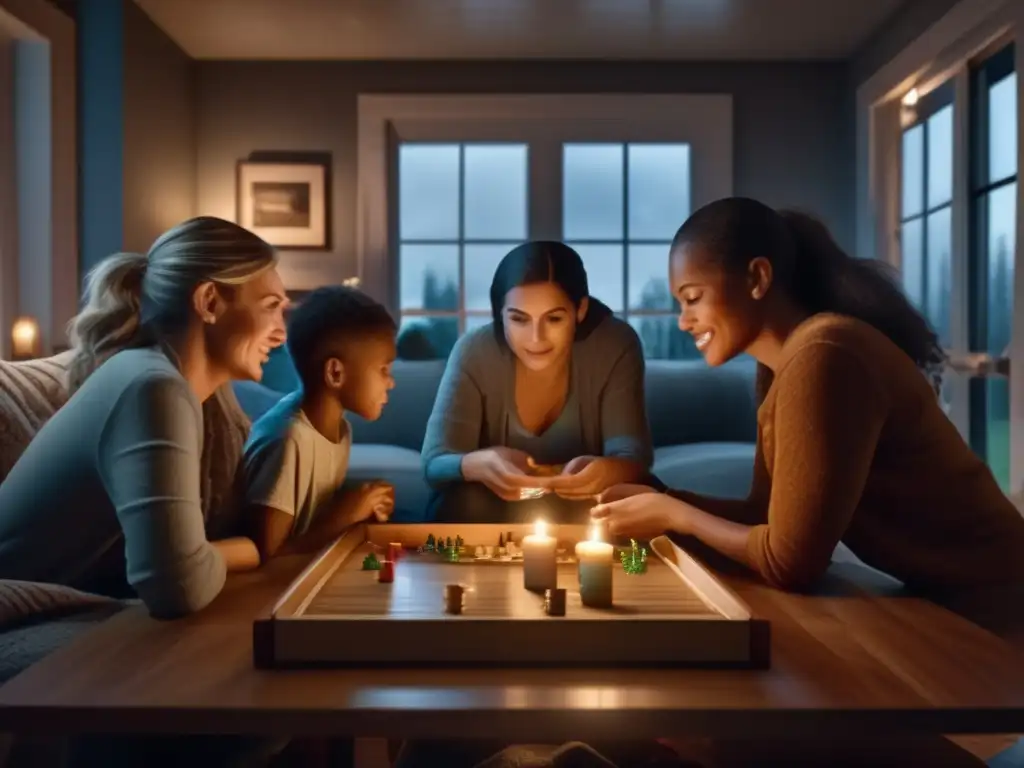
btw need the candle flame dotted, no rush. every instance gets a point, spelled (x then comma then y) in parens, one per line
(540, 528)
(595, 532)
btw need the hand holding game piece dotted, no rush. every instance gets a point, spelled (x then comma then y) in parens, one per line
(586, 476)
(505, 471)
(643, 516)
(376, 499)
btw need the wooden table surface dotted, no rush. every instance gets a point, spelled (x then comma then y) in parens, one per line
(844, 659)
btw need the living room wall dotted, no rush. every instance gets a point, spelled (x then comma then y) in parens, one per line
(41, 200)
(137, 97)
(159, 131)
(793, 130)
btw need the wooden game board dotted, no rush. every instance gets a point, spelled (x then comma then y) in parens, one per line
(336, 614)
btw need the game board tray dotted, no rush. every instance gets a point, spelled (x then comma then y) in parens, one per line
(335, 614)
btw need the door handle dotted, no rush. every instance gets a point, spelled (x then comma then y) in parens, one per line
(980, 365)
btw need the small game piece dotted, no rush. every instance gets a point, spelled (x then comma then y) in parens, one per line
(634, 562)
(453, 597)
(430, 545)
(386, 574)
(452, 555)
(478, 552)
(448, 543)
(508, 538)
(371, 563)
(501, 541)
(489, 551)
(554, 602)
(394, 551)
(459, 542)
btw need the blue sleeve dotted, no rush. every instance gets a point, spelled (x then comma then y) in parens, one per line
(149, 461)
(625, 431)
(453, 429)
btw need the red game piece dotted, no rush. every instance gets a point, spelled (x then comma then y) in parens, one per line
(386, 574)
(394, 551)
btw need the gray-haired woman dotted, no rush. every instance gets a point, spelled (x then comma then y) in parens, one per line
(107, 495)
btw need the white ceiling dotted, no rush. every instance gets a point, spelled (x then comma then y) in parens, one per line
(520, 29)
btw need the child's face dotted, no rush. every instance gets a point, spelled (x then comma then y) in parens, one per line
(368, 375)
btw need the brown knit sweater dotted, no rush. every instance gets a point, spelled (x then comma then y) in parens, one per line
(854, 447)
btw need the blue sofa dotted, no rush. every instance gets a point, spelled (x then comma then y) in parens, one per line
(702, 423)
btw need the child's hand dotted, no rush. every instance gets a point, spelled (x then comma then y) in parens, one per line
(375, 498)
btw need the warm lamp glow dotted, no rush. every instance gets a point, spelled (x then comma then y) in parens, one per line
(351, 282)
(910, 98)
(25, 337)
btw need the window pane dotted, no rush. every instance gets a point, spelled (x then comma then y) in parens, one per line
(911, 258)
(593, 191)
(495, 192)
(940, 157)
(429, 276)
(1002, 128)
(1001, 241)
(481, 262)
(428, 191)
(475, 321)
(604, 272)
(427, 338)
(940, 276)
(997, 430)
(913, 171)
(659, 190)
(662, 339)
(648, 278)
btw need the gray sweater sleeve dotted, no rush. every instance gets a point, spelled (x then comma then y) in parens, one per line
(149, 459)
(625, 430)
(455, 423)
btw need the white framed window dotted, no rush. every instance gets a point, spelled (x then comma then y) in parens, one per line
(949, 226)
(448, 185)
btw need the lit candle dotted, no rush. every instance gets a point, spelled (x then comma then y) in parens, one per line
(25, 338)
(595, 560)
(540, 564)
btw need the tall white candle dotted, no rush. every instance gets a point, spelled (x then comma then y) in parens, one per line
(595, 560)
(540, 564)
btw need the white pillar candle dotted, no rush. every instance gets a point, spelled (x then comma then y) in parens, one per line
(540, 564)
(595, 560)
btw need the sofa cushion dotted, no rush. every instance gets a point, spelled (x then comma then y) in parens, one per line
(399, 466)
(719, 469)
(688, 402)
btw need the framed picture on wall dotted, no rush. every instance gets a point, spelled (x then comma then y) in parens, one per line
(284, 203)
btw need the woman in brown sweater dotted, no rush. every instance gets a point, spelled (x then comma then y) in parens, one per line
(852, 443)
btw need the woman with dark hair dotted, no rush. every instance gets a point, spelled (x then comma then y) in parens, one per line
(546, 399)
(853, 445)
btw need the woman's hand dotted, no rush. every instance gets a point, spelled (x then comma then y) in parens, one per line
(587, 476)
(642, 515)
(504, 470)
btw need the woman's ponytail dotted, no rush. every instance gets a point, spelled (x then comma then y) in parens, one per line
(110, 319)
(827, 279)
(815, 270)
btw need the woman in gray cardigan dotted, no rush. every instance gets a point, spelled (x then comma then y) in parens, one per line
(547, 399)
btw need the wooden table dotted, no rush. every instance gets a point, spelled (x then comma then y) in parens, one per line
(843, 660)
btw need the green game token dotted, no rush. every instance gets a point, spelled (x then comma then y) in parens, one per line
(452, 555)
(634, 562)
(371, 563)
